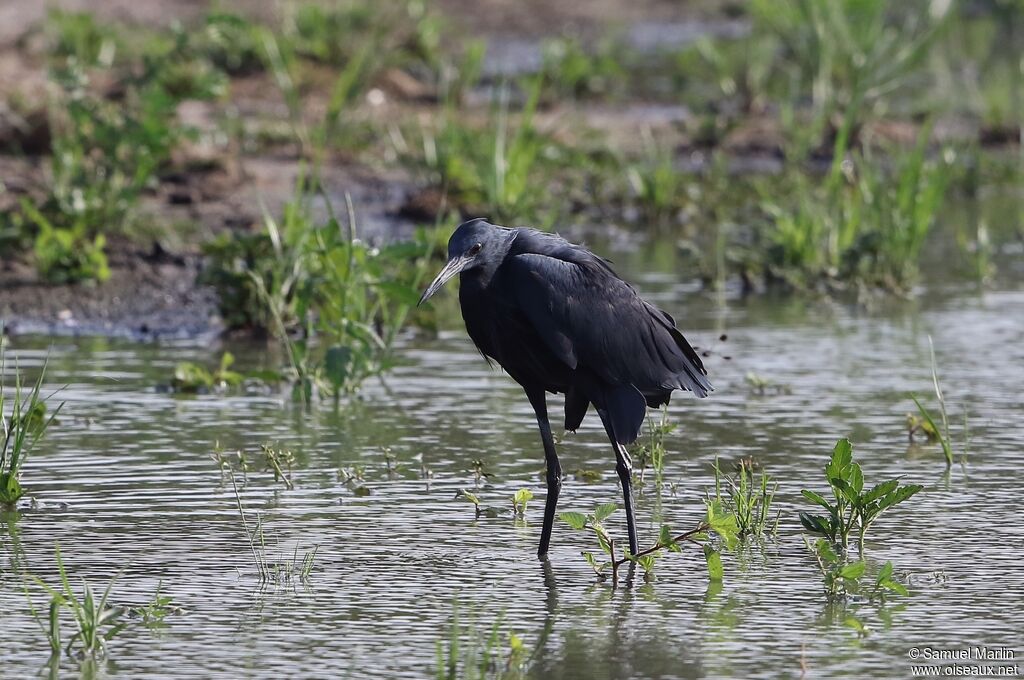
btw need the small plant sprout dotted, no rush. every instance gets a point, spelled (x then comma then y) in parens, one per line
(96, 622)
(854, 508)
(156, 610)
(283, 570)
(926, 423)
(280, 462)
(20, 432)
(762, 386)
(749, 501)
(471, 498)
(486, 510)
(651, 451)
(475, 652)
(390, 461)
(722, 524)
(519, 501)
(479, 470)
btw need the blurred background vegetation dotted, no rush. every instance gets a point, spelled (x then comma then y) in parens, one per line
(307, 162)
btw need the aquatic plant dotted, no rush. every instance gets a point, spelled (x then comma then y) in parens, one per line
(717, 521)
(763, 386)
(749, 501)
(519, 501)
(658, 186)
(841, 577)
(282, 570)
(192, 377)
(926, 423)
(475, 654)
(853, 507)
(335, 302)
(156, 610)
(280, 462)
(864, 224)
(22, 425)
(95, 621)
(650, 450)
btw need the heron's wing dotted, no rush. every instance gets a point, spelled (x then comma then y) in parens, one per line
(589, 317)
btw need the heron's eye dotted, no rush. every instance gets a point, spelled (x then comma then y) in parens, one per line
(475, 249)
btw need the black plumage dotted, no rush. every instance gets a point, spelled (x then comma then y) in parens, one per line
(558, 319)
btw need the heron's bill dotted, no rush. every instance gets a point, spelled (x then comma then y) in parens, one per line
(454, 266)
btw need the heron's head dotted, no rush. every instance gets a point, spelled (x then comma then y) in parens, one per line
(475, 244)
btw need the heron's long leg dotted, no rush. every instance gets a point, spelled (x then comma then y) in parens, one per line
(554, 470)
(624, 468)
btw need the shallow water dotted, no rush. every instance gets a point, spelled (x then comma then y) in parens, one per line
(126, 486)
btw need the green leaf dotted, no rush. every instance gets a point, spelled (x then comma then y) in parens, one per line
(714, 561)
(337, 364)
(853, 622)
(646, 562)
(665, 538)
(898, 496)
(853, 571)
(895, 587)
(603, 511)
(577, 520)
(816, 524)
(842, 455)
(522, 496)
(816, 498)
(598, 567)
(845, 489)
(885, 573)
(947, 450)
(879, 490)
(824, 549)
(855, 477)
(399, 293)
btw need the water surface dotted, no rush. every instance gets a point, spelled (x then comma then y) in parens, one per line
(126, 485)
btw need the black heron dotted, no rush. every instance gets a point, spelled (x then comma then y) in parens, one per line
(558, 319)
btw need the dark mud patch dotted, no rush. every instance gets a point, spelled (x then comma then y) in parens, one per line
(149, 295)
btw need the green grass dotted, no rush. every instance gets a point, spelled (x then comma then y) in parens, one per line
(474, 653)
(96, 622)
(24, 421)
(106, 154)
(334, 301)
(748, 498)
(927, 424)
(649, 450)
(866, 223)
(283, 569)
(506, 169)
(847, 57)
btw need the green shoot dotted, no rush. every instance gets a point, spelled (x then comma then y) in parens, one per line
(519, 501)
(853, 507)
(20, 432)
(750, 500)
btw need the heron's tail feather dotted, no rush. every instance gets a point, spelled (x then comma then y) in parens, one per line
(627, 409)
